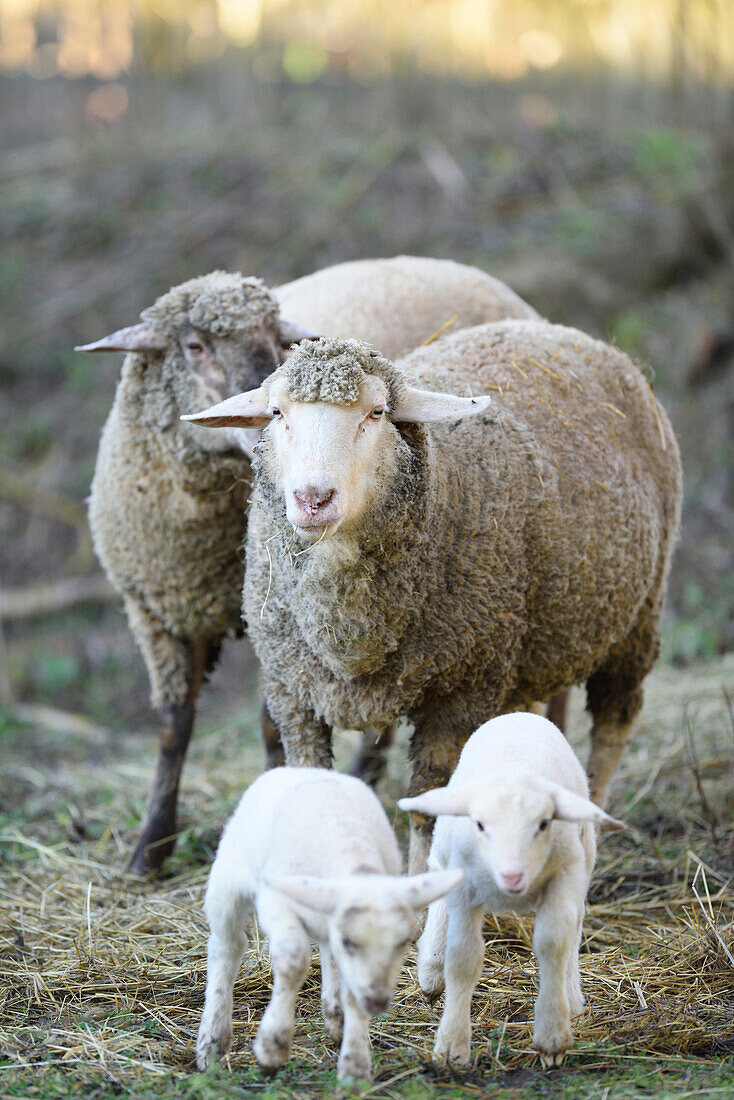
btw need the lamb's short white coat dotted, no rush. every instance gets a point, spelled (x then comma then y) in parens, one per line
(312, 852)
(517, 818)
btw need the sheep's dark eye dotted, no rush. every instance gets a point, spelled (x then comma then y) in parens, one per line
(348, 946)
(544, 825)
(480, 826)
(275, 413)
(194, 345)
(376, 414)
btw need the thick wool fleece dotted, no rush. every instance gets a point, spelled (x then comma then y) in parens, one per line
(516, 553)
(167, 502)
(397, 303)
(333, 370)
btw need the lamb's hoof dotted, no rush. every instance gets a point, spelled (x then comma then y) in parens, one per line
(354, 1069)
(333, 1021)
(454, 1051)
(430, 996)
(210, 1048)
(550, 1060)
(271, 1048)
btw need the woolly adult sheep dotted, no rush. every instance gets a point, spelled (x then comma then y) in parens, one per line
(167, 502)
(464, 558)
(312, 852)
(517, 819)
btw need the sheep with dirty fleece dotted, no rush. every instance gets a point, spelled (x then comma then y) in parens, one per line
(167, 502)
(464, 557)
(313, 854)
(517, 819)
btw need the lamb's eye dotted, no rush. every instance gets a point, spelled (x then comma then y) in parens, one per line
(479, 826)
(377, 413)
(348, 946)
(276, 414)
(544, 825)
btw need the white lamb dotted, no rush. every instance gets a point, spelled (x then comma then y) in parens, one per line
(517, 818)
(312, 852)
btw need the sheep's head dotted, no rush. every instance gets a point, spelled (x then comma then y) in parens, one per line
(334, 444)
(206, 339)
(371, 920)
(513, 817)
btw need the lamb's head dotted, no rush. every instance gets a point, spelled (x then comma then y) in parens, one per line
(513, 816)
(205, 340)
(371, 920)
(334, 444)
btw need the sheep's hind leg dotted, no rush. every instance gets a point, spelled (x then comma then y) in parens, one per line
(614, 697)
(158, 832)
(331, 1005)
(370, 758)
(274, 752)
(432, 951)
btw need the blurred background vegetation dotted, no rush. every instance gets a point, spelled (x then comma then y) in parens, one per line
(582, 150)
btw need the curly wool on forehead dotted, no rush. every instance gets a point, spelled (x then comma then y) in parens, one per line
(333, 370)
(221, 303)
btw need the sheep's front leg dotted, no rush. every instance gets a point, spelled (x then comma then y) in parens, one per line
(229, 913)
(290, 952)
(355, 1057)
(306, 739)
(555, 939)
(331, 1005)
(463, 969)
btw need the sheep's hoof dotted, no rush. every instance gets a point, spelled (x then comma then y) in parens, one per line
(430, 996)
(455, 1052)
(549, 1060)
(354, 1070)
(210, 1050)
(271, 1048)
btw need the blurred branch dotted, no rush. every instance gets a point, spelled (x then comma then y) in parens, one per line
(59, 721)
(49, 596)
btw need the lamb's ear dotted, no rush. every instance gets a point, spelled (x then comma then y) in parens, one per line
(573, 807)
(421, 406)
(244, 410)
(140, 337)
(315, 893)
(421, 890)
(290, 332)
(446, 801)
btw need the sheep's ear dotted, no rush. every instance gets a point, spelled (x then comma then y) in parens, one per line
(315, 893)
(448, 801)
(244, 410)
(573, 807)
(133, 338)
(421, 406)
(421, 890)
(290, 332)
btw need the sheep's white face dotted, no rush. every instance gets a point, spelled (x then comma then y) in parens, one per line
(513, 833)
(368, 940)
(331, 461)
(371, 920)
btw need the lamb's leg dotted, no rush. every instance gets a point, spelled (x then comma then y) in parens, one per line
(576, 999)
(229, 914)
(368, 762)
(614, 696)
(432, 951)
(355, 1057)
(463, 969)
(176, 668)
(274, 753)
(555, 939)
(306, 738)
(331, 1005)
(290, 952)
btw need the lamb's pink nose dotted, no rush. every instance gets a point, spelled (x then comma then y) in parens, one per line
(511, 882)
(312, 499)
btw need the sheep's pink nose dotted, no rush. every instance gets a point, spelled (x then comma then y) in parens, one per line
(511, 882)
(312, 499)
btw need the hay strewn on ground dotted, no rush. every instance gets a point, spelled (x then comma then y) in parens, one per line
(102, 974)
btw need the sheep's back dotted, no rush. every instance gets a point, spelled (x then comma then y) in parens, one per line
(396, 304)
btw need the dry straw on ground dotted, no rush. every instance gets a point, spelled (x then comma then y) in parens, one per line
(104, 974)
